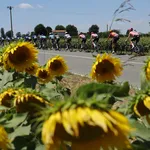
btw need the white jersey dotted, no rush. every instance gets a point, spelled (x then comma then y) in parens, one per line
(57, 36)
(67, 36)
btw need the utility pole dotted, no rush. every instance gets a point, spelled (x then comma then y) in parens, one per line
(10, 8)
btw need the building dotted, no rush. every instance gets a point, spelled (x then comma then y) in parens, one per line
(61, 33)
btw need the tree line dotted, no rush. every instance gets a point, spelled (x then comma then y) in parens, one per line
(71, 29)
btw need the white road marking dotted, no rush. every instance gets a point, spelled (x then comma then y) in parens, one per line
(74, 56)
(86, 57)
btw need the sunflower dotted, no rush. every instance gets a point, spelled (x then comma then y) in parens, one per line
(142, 107)
(7, 96)
(106, 68)
(27, 102)
(20, 55)
(147, 70)
(4, 141)
(44, 76)
(1, 60)
(33, 69)
(57, 66)
(86, 128)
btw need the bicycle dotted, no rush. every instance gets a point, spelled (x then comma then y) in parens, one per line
(96, 47)
(68, 46)
(138, 49)
(81, 46)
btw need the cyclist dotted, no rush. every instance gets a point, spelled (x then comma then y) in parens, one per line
(94, 38)
(133, 36)
(8, 39)
(34, 39)
(42, 41)
(83, 39)
(57, 38)
(52, 38)
(115, 38)
(67, 37)
(2, 41)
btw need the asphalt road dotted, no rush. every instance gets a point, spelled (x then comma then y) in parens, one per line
(80, 63)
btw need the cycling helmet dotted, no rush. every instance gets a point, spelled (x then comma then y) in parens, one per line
(110, 31)
(66, 32)
(131, 29)
(80, 33)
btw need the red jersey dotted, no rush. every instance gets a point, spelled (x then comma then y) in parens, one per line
(113, 34)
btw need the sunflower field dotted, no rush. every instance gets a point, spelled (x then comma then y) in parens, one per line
(39, 113)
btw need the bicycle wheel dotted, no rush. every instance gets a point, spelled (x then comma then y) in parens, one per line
(141, 49)
(70, 48)
(79, 48)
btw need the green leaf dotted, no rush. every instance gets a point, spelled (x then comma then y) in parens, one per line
(144, 82)
(49, 91)
(20, 131)
(40, 147)
(91, 89)
(22, 142)
(30, 82)
(140, 130)
(6, 79)
(17, 119)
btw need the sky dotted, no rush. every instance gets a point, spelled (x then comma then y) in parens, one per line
(81, 13)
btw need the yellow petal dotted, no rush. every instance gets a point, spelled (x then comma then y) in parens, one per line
(148, 119)
(119, 117)
(147, 102)
(49, 130)
(99, 119)
(73, 121)
(66, 122)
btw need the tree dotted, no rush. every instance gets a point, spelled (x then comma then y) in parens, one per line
(40, 29)
(18, 34)
(48, 29)
(2, 33)
(8, 34)
(72, 30)
(32, 33)
(103, 34)
(94, 28)
(60, 27)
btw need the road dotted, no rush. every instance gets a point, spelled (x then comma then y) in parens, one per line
(80, 63)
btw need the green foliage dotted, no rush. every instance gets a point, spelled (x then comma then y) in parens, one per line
(94, 28)
(8, 34)
(2, 33)
(18, 34)
(40, 29)
(99, 90)
(60, 27)
(72, 30)
(48, 29)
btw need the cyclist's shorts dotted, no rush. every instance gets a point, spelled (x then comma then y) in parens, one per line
(52, 40)
(68, 40)
(57, 40)
(115, 39)
(136, 38)
(83, 40)
(96, 39)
